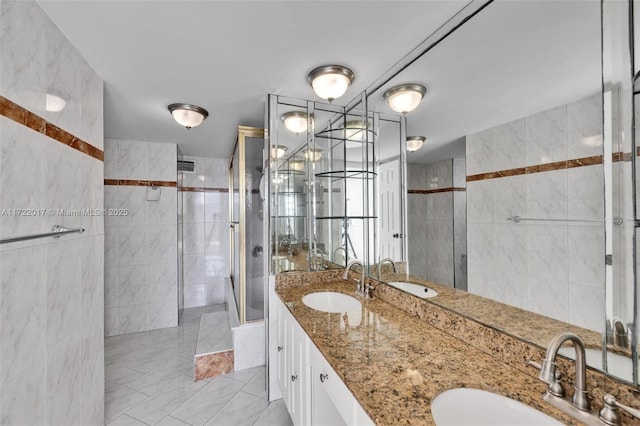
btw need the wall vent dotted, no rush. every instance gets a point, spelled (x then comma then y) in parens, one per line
(187, 166)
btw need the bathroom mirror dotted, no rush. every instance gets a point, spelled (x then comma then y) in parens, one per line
(515, 94)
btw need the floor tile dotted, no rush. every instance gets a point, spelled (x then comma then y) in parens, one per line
(242, 409)
(275, 414)
(172, 421)
(121, 400)
(124, 420)
(203, 405)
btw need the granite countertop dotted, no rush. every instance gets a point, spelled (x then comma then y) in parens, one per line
(395, 364)
(530, 326)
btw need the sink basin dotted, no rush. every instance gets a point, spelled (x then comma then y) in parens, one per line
(415, 289)
(465, 406)
(332, 302)
(617, 365)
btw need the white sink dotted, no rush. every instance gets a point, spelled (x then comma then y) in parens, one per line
(617, 365)
(415, 289)
(332, 302)
(463, 406)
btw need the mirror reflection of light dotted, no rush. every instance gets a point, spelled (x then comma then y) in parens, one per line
(592, 141)
(54, 103)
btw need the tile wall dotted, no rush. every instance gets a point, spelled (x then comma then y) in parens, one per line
(141, 270)
(436, 201)
(206, 231)
(552, 267)
(51, 290)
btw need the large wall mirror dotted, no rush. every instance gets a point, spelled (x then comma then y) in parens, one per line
(507, 195)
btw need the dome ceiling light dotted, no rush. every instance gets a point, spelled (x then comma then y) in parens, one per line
(414, 143)
(313, 154)
(278, 151)
(330, 81)
(405, 98)
(188, 115)
(295, 121)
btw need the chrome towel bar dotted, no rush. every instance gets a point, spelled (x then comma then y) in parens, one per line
(56, 232)
(516, 219)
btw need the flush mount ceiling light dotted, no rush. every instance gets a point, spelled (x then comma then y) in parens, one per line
(188, 115)
(354, 130)
(277, 151)
(414, 143)
(313, 154)
(405, 98)
(295, 121)
(297, 165)
(330, 81)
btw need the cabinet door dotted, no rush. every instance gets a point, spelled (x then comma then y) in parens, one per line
(331, 401)
(282, 347)
(300, 391)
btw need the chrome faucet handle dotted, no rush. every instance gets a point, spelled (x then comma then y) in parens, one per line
(609, 413)
(555, 387)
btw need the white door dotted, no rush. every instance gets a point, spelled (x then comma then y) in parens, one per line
(390, 210)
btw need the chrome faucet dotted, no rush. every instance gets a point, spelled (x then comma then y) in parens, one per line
(360, 287)
(548, 370)
(314, 254)
(387, 259)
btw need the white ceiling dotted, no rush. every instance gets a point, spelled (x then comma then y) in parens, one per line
(226, 56)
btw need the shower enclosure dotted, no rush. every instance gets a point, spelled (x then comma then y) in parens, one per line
(246, 239)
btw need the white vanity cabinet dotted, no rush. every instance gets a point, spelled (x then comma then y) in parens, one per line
(312, 391)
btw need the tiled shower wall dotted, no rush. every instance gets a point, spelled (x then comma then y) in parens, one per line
(554, 267)
(141, 269)
(437, 227)
(51, 290)
(206, 231)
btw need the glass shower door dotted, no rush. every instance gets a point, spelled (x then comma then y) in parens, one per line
(247, 245)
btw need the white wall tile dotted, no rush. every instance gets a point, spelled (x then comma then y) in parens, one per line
(163, 161)
(481, 245)
(508, 145)
(133, 160)
(547, 252)
(194, 267)
(111, 159)
(480, 201)
(134, 285)
(22, 149)
(63, 381)
(111, 287)
(23, 68)
(23, 307)
(134, 318)
(162, 243)
(193, 238)
(63, 290)
(216, 207)
(586, 307)
(111, 321)
(480, 153)
(194, 295)
(510, 198)
(193, 207)
(510, 247)
(163, 282)
(586, 193)
(133, 246)
(216, 172)
(546, 136)
(547, 195)
(586, 255)
(164, 211)
(22, 400)
(133, 200)
(440, 175)
(511, 288)
(163, 314)
(584, 127)
(548, 297)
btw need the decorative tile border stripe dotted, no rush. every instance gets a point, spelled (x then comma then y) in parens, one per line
(436, 191)
(558, 165)
(20, 115)
(200, 189)
(128, 182)
(539, 168)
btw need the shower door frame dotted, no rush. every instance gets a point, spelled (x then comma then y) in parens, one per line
(244, 132)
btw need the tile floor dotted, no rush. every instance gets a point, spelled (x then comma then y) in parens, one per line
(149, 381)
